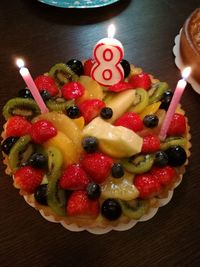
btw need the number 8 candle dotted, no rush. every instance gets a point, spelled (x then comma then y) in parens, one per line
(108, 53)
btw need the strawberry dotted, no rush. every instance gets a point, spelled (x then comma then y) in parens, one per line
(91, 108)
(177, 125)
(147, 184)
(42, 130)
(141, 80)
(131, 121)
(165, 175)
(74, 178)
(72, 90)
(28, 179)
(80, 205)
(121, 86)
(88, 66)
(151, 144)
(17, 126)
(98, 166)
(47, 83)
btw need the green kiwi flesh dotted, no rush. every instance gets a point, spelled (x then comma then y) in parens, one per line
(141, 101)
(139, 164)
(22, 107)
(174, 141)
(134, 209)
(55, 196)
(157, 91)
(59, 105)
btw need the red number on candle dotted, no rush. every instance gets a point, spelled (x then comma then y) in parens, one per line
(107, 69)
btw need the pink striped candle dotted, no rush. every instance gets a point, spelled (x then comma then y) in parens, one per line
(174, 103)
(31, 85)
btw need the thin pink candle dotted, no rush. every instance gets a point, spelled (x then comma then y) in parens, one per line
(31, 86)
(174, 103)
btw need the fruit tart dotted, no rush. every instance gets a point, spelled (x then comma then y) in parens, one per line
(95, 159)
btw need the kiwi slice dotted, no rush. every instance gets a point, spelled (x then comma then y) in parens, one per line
(22, 107)
(20, 152)
(174, 141)
(59, 104)
(139, 164)
(157, 91)
(62, 74)
(141, 101)
(55, 196)
(134, 209)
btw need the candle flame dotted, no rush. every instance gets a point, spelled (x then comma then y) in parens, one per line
(20, 63)
(111, 31)
(186, 72)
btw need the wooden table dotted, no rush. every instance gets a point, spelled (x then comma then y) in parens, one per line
(45, 35)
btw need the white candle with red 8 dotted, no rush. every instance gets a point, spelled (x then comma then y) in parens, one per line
(108, 53)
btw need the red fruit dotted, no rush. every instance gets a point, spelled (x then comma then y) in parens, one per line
(177, 125)
(147, 184)
(42, 130)
(141, 80)
(74, 178)
(72, 90)
(91, 108)
(47, 83)
(98, 166)
(28, 179)
(80, 205)
(121, 86)
(88, 66)
(151, 144)
(17, 126)
(165, 175)
(131, 121)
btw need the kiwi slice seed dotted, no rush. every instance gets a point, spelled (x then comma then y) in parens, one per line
(134, 209)
(174, 141)
(157, 91)
(141, 101)
(139, 164)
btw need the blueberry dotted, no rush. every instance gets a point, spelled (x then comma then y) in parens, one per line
(161, 159)
(117, 170)
(73, 112)
(38, 160)
(150, 121)
(76, 66)
(93, 191)
(41, 194)
(25, 93)
(166, 100)
(90, 144)
(176, 156)
(126, 66)
(106, 113)
(111, 209)
(8, 143)
(45, 95)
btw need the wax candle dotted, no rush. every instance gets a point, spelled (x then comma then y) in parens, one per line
(174, 103)
(108, 53)
(31, 85)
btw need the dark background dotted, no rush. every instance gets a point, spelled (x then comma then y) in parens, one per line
(45, 35)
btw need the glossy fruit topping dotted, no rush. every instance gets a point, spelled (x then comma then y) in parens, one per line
(41, 131)
(80, 205)
(157, 91)
(126, 67)
(38, 160)
(17, 126)
(8, 143)
(90, 144)
(111, 209)
(139, 163)
(151, 144)
(47, 83)
(135, 208)
(177, 125)
(74, 178)
(131, 121)
(106, 113)
(41, 194)
(165, 175)
(161, 159)
(28, 179)
(76, 66)
(25, 93)
(140, 102)
(166, 100)
(117, 170)
(45, 95)
(147, 184)
(141, 80)
(151, 121)
(72, 90)
(88, 64)
(73, 112)
(93, 191)
(176, 156)
(119, 87)
(98, 166)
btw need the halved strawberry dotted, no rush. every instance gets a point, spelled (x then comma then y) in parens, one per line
(166, 175)
(151, 144)
(17, 126)
(121, 86)
(88, 64)
(72, 90)
(131, 121)
(47, 83)
(141, 80)
(41, 131)
(177, 125)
